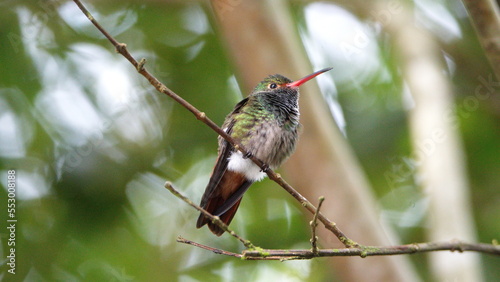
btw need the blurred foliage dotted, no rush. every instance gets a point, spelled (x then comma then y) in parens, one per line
(92, 143)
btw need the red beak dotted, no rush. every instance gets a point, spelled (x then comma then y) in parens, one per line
(301, 81)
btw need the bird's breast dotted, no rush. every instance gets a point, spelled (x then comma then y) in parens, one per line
(271, 142)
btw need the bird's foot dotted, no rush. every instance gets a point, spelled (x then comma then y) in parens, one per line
(247, 155)
(265, 168)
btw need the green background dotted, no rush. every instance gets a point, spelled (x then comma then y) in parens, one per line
(92, 143)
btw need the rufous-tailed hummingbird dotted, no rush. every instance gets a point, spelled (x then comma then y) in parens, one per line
(266, 123)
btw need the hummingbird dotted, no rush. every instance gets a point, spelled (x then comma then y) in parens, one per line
(266, 123)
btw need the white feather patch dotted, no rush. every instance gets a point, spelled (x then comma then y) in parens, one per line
(246, 166)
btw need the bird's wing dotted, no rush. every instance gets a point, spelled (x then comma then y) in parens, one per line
(225, 188)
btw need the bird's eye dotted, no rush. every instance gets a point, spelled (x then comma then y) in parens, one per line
(273, 85)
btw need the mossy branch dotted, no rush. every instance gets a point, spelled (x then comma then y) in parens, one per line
(361, 251)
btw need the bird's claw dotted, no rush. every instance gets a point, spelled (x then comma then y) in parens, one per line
(247, 155)
(265, 168)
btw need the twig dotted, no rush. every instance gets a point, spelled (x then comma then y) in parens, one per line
(314, 224)
(215, 219)
(215, 250)
(122, 49)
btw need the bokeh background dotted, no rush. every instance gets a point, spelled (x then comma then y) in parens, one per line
(92, 143)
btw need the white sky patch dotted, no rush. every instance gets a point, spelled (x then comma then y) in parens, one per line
(116, 23)
(336, 38)
(436, 17)
(195, 19)
(31, 185)
(110, 80)
(13, 141)
(69, 111)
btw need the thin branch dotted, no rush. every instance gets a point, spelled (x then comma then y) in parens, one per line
(453, 246)
(214, 250)
(365, 251)
(122, 49)
(215, 219)
(314, 224)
